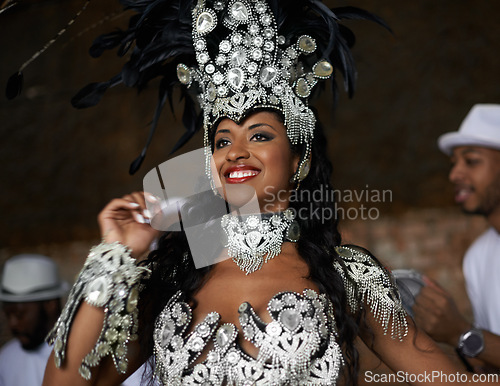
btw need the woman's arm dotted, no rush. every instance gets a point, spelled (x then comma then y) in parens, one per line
(99, 348)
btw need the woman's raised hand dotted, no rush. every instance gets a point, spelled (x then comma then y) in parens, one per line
(126, 220)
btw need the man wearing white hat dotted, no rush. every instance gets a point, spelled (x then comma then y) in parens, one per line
(475, 156)
(31, 291)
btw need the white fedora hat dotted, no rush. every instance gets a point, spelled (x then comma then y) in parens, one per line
(481, 127)
(29, 278)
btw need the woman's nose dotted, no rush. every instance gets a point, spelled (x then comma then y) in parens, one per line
(238, 150)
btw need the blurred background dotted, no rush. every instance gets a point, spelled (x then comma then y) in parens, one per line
(60, 166)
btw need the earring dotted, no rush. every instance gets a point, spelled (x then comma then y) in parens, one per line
(304, 169)
(302, 172)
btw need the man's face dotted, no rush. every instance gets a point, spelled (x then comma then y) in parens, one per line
(27, 322)
(475, 173)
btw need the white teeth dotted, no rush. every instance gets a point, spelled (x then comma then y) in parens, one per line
(243, 174)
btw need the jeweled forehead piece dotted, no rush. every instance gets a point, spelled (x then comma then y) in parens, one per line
(252, 68)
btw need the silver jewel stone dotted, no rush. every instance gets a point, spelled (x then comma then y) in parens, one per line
(274, 99)
(290, 318)
(197, 344)
(211, 92)
(219, 5)
(302, 88)
(252, 67)
(243, 307)
(203, 330)
(239, 11)
(167, 333)
(236, 78)
(265, 20)
(203, 58)
(210, 68)
(254, 29)
(233, 357)
(260, 7)
(252, 222)
(251, 82)
(275, 305)
(200, 45)
(213, 356)
(268, 75)
(269, 46)
(218, 78)
(268, 33)
(307, 44)
(220, 60)
(309, 324)
(275, 220)
(222, 90)
(238, 58)
(289, 214)
(224, 335)
(111, 335)
(237, 39)
(205, 23)
(293, 233)
(183, 74)
(98, 291)
(323, 69)
(258, 41)
(278, 89)
(133, 300)
(253, 239)
(225, 46)
(273, 329)
(256, 54)
(290, 299)
(292, 53)
(281, 40)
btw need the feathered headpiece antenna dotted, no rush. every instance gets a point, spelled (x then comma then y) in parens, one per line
(15, 82)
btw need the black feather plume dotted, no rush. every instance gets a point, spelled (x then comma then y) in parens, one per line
(159, 36)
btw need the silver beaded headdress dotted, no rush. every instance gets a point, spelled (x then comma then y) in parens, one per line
(252, 67)
(235, 56)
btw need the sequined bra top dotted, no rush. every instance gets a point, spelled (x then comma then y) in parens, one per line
(299, 345)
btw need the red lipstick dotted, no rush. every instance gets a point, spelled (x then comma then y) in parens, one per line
(240, 173)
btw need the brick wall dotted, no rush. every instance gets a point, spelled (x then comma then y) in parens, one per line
(432, 241)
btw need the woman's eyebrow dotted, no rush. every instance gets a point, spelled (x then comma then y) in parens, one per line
(221, 131)
(256, 125)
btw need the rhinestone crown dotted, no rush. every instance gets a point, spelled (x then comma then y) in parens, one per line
(253, 68)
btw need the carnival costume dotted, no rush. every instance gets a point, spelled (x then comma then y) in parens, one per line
(236, 57)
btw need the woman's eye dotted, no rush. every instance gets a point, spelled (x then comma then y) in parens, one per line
(260, 137)
(221, 143)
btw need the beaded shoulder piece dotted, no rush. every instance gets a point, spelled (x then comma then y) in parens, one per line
(368, 283)
(108, 279)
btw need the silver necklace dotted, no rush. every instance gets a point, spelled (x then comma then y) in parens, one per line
(255, 239)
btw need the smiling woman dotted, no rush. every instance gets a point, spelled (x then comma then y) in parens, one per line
(283, 302)
(256, 153)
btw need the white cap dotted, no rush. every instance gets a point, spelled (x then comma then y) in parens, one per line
(481, 127)
(30, 277)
